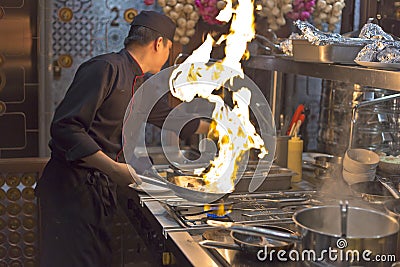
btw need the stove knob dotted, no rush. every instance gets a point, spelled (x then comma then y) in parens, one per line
(168, 258)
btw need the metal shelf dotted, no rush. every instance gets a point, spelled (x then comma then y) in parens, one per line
(385, 79)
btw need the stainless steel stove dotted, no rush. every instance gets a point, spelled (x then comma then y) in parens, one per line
(261, 209)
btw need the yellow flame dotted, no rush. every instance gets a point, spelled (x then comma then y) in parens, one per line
(231, 126)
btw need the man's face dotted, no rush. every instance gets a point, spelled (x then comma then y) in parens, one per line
(162, 55)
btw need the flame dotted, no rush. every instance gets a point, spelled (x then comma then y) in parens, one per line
(232, 126)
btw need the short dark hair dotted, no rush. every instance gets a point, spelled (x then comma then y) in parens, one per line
(140, 35)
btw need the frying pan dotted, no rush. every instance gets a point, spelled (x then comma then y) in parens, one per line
(187, 187)
(371, 191)
(392, 207)
(250, 244)
(389, 185)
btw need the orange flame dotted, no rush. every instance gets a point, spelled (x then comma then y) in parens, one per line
(232, 127)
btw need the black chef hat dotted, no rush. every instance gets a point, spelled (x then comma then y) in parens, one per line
(155, 21)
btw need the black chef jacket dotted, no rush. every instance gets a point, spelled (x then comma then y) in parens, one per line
(88, 121)
(77, 203)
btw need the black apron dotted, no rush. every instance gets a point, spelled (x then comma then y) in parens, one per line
(76, 213)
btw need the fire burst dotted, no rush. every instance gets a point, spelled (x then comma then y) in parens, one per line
(194, 77)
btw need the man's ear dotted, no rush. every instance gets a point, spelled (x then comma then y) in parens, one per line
(158, 43)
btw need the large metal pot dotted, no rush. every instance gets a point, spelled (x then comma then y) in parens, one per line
(323, 236)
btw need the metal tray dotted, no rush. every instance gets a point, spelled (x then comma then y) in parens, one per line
(278, 178)
(334, 53)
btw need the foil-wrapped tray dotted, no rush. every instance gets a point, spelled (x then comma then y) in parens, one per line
(343, 53)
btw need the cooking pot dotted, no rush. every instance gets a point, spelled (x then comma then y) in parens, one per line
(188, 187)
(321, 232)
(249, 244)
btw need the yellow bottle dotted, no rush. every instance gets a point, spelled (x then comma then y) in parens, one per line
(295, 158)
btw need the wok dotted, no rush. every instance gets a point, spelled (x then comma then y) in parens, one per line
(321, 230)
(187, 187)
(249, 244)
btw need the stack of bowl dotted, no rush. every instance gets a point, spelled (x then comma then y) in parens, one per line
(359, 165)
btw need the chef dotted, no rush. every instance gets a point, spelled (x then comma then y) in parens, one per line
(77, 191)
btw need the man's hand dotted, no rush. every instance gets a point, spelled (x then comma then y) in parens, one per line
(121, 173)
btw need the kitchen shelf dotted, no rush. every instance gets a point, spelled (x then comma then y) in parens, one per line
(385, 79)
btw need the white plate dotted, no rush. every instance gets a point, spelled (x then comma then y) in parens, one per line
(379, 65)
(149, 188)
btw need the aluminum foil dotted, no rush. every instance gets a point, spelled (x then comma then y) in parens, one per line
(380, 51)
(317, 37)
(375, 32)
(391, 54)
(286, 46)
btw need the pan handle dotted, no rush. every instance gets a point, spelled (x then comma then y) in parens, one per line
(254, 230)
(153, 181)
(217, 244)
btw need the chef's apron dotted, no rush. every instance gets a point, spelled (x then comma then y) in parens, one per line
(76, 213)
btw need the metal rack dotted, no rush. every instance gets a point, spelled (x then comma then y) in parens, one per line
(350, 74)
(386, 79)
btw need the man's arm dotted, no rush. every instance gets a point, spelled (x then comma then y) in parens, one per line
(121, 173)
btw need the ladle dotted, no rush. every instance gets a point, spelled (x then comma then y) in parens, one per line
(343, 214)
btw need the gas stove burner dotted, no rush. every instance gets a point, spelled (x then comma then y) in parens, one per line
(293, 208)
(217, 216)
(220, 211)
(225, 218)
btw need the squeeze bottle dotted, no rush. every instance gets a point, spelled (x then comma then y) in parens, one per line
(295, 159)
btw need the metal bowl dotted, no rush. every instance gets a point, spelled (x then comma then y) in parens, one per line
(390, 164)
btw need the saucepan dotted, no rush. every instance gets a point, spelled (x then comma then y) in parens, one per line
(250, 244)
(191, 188)
(323, 164)
(326, 228)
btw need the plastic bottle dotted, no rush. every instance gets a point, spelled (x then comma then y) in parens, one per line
(295, 157)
